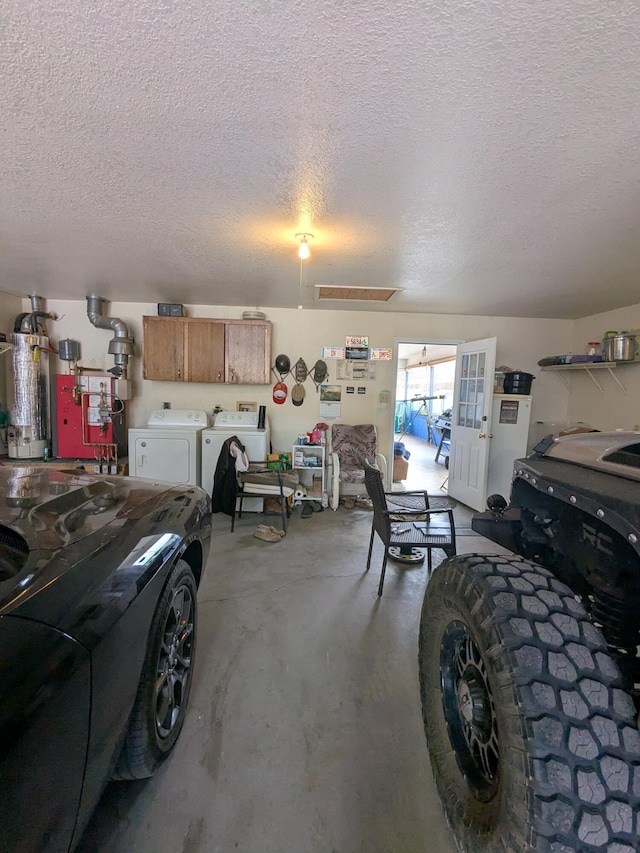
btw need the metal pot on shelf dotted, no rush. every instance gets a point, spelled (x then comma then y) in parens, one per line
(517, 382)
(618, 346)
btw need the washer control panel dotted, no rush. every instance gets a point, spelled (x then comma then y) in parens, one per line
(236, 420)
(178, 418)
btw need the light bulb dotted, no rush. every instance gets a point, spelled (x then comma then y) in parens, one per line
(303, 251)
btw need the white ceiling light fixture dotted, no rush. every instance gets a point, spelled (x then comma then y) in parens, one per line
(303, 250)
(303, 254)
(301, 266)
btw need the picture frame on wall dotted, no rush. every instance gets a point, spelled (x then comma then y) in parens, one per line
(244, 406)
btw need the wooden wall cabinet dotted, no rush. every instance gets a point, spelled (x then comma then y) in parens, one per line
(194, 349)
(204, 351)
(248, 352)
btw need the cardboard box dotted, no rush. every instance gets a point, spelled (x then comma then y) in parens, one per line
(400, 468)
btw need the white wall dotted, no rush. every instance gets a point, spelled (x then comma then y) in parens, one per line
(610, 408)
(302, 334)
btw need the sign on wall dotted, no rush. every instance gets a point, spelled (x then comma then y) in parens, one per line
(357, 347)
(332, 352)
(381, 354)
(355, 370)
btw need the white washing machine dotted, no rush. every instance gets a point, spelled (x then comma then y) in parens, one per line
(257, 444)
(168, 449)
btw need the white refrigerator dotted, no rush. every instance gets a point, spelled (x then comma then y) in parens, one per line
(510, 417)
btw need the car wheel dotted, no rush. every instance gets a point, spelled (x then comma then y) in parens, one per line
(163, 692)
(533, 744)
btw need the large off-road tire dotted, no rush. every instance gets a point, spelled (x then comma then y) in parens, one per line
(533, 744)
(163, 692)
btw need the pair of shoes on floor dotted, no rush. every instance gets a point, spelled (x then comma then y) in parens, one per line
(311, 507)
(349, 503)
(363, 502)
(268, 533)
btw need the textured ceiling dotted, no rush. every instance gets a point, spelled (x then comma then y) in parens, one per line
(483, 156)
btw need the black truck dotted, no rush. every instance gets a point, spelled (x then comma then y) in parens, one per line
(529, 667)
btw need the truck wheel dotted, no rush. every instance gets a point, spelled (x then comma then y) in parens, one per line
(532, 742)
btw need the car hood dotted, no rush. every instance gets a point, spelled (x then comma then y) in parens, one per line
(51, 520)
(616, 453)
(52, 509)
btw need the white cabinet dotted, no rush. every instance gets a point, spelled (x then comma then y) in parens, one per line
(309, 461)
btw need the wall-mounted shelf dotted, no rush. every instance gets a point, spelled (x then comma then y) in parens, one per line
(589, 367)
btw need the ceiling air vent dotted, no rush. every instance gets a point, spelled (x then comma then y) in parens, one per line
(355, 294)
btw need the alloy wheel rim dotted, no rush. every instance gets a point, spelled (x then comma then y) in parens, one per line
(469, 711)
(174, 661)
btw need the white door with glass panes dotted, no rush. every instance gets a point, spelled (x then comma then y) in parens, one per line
(470, 422)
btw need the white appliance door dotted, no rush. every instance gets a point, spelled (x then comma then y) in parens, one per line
(256, 444)
(470, 421)
(510, 430)
(164, 458)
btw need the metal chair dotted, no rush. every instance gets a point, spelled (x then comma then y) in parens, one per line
(404, 530)
(232, 482)
(262, 482)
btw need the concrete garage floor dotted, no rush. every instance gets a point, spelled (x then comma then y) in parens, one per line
(304, 731)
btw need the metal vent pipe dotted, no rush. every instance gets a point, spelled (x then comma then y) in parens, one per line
(121, 345)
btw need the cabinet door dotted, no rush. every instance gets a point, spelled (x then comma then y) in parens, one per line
(205, 350)
(163, 348)
(248, 348)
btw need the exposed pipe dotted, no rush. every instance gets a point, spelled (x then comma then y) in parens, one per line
(121, 345)
(18, 321)
(27, 323)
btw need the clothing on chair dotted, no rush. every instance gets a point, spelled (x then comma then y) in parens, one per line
(225, 482)
(240, 457)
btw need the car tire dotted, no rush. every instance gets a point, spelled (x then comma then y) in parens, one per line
(163, 691)
(533, 744)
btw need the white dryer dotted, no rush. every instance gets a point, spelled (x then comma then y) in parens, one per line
(169, 448)
(257, 443)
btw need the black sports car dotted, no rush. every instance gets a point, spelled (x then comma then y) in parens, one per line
(98, 584)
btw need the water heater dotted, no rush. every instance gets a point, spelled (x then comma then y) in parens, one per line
(29, 429)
